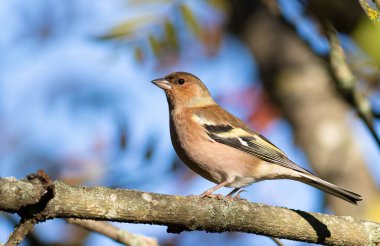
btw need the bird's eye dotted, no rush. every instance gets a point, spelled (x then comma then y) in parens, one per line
(181, 81)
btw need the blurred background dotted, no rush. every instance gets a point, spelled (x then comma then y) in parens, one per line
(76, 99)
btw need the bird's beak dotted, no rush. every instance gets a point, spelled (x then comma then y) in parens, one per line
(162, 83)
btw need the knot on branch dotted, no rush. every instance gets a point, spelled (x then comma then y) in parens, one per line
(36, 210)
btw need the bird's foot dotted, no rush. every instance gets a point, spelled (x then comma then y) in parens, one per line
(229, 198)
(236, 197)
(214, 196)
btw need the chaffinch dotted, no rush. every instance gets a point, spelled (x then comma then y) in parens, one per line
(221, 148)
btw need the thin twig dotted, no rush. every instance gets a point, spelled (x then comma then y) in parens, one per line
(21, 231)
(277, 241)
(117, 234)
(355, 99)
(346, 82)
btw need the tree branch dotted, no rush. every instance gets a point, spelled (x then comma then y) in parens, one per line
(21, 231)
(338, 68)
(346, 82)
(33, 212)
(189, 213)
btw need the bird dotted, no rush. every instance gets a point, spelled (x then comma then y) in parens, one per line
(222, 148)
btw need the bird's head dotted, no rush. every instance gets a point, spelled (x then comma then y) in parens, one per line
(184, 90)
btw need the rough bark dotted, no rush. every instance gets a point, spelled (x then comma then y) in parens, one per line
(189, 213)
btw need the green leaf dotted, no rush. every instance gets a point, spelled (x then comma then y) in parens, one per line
(190, 20)
(171, 35)
(367, 37)
(155, 45)
(221, 5)
(127, 28)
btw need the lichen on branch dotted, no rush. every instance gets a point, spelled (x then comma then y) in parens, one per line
(189, 213)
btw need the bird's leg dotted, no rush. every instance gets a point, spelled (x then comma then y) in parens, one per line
(236, 197)
(208, 192)
(233, 192)
(238, 194)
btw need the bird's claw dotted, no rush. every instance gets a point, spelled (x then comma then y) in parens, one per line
(214, 196)
(220, 196)
(237, 196)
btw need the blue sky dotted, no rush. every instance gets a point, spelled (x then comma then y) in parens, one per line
(65, 98)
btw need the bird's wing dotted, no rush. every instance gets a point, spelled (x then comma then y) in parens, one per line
(225, 128)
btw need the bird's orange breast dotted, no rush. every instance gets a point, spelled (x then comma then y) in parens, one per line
(212, 160)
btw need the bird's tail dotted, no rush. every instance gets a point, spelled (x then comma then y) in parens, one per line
(332, 189)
